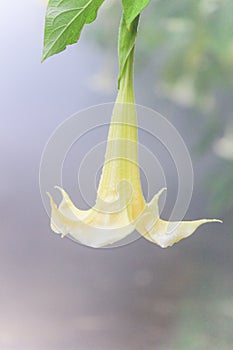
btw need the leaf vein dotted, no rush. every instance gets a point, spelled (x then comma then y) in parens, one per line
(65, 11)
(69, 24)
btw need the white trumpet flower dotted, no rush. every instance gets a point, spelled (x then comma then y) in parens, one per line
(120, 206)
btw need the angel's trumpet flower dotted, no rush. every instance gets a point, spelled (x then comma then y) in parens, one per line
(120, 205)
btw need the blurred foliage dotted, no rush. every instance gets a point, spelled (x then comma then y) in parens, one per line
(198, 37)
(221, 188)
(194, 41)
(205, 313)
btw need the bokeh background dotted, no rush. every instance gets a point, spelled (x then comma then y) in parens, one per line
(55, 294)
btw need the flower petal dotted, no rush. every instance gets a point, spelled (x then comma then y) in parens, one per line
(92, 227)
(165, 233)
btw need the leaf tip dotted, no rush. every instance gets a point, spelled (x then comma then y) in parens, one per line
(44, 56)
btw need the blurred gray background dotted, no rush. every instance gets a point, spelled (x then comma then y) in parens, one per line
(55, 294)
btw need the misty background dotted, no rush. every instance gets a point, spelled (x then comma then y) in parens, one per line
(56, 294)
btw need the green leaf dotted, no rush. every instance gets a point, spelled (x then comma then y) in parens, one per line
(126, 43)
(132, 8)
(64, 22)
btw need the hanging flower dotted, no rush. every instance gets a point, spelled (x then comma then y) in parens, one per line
(120, 205)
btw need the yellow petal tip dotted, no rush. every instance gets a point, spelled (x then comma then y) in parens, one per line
(213, 220)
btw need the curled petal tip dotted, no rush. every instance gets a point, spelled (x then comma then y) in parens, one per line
(59, 188)
(218, 220)
(212, 220)
(48, 194)
(164, 189)
(50, 199)
(157, 195)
